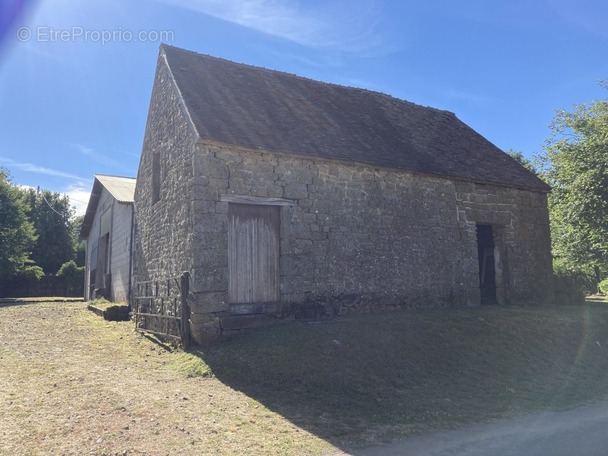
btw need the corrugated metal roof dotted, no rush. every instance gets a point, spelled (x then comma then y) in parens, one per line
(121, 188)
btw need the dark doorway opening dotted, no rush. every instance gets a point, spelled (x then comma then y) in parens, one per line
(487, 267)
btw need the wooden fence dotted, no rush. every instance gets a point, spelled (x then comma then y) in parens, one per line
(161, 308)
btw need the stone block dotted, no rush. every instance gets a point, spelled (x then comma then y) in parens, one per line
(211, 302)
(295, 191)
(228, 156)
(221, 207)
(212, 223)
(213, 167)
(205, 329)
(210, 279)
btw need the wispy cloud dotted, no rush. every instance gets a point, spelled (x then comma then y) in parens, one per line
(79, 197)
(348, 26)
(98, 157)
(78, 189)
(31, 168)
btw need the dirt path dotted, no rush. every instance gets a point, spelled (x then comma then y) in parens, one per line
(71, 383)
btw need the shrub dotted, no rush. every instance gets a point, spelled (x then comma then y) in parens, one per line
(73, 276)
(24, 282)
(603, 286)
(31, 273)
(572, 283)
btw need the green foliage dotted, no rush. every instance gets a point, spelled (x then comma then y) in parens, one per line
(31, 272)
(519, 157)
(72, 274)
(79, 246)
(603, 286)
(51, 215)
(17, 234)
(572, 283)
(575, 164)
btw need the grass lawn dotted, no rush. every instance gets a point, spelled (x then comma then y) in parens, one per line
(73, 383)
(363, 379)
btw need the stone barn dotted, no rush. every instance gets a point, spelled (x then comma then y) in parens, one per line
(283, 195)
(108, 230)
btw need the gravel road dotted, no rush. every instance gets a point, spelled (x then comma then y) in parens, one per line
(582, 431)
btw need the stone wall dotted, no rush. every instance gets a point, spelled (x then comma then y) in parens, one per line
(362, 239)
(522, 234)
(164, 230)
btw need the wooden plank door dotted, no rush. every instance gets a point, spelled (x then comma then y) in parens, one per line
(253, 258)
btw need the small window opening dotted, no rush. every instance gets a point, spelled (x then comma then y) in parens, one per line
(155, 178)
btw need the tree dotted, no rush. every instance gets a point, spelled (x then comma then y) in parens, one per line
(79, 246)
(519, 157)
(51, 215)
(73, 276)
(17, 234)
(575, 164)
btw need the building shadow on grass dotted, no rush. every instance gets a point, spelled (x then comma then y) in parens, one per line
(332, 411)
(321, 378)
(365, 380)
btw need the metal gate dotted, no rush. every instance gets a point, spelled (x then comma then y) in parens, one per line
(161, 308)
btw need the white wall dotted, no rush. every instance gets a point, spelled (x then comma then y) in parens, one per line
(120, 245)
(120, 241)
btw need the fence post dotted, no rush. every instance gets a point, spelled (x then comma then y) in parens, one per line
(185, 323)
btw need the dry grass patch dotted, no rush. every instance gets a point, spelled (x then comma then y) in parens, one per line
(73, 383)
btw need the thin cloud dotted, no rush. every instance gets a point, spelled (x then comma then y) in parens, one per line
(78, 192)
(99, 157)
(79, 198)
(339, 25)
(31, 168)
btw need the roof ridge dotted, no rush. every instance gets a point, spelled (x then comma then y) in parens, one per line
(112, 175)
(304, 78)
(264, 109)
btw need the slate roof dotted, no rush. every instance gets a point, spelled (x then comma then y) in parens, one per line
(122, 190)
(257, 108)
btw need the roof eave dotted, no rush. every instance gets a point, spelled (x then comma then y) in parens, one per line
(89, 215)
(542, 188)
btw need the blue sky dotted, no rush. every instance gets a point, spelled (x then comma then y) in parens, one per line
(76, 76)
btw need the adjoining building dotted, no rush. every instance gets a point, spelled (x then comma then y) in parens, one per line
(108, 231)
